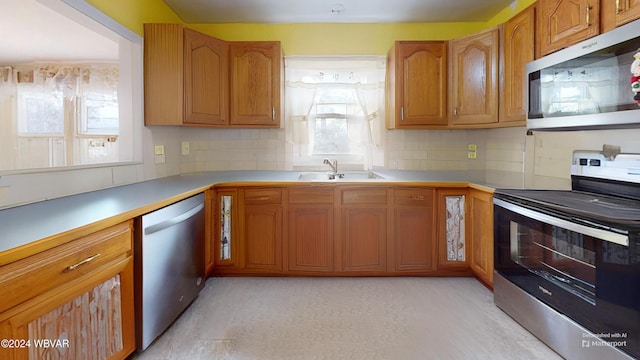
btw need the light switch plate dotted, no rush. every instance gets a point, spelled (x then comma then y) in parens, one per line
(186, 148)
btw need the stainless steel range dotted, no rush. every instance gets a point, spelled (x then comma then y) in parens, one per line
(567, 263)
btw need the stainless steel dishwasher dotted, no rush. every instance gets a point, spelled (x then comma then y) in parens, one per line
(169, 263)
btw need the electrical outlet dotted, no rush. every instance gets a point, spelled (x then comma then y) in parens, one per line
(158, 150)
(472, 147)
(471, 154)
(186, 148)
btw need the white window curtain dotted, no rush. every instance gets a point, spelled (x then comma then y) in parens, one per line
(57, 114)
(335, 108)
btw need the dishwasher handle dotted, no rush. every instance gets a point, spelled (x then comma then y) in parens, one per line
(173, 221)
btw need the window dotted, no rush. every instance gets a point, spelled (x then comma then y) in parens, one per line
(69, 90)
(333, 103)
(67, 114)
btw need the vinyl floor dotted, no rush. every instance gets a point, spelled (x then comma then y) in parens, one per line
(345, 318)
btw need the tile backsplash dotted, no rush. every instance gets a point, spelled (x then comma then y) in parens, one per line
(507, 156)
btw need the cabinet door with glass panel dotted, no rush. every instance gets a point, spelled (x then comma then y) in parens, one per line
(226, 250)
(453, 249)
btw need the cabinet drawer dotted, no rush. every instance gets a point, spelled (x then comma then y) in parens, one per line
(364, 196)
(413, 197)
(28, 277)
(310, 196)
(263, 196)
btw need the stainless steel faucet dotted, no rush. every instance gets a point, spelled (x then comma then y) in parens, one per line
(334, 167)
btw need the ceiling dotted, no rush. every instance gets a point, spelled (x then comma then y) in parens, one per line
(32, 32)
(336, 11)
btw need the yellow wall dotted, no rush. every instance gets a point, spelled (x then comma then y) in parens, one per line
(305, 39)
(508, 12)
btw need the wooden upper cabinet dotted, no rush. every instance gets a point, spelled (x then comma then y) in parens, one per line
(256, 83)
(417, 84)
(562, 23)
(517, 48)
(627, 10)
(185, 77)
(206, 79)
(163, 74)
(618, 12)
(473, 87)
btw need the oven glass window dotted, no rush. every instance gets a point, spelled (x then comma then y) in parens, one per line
(563, 257)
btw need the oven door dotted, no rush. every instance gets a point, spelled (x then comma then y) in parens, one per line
(589, 274)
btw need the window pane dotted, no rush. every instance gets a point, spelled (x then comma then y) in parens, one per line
(43, 113)
(101, 115)
(331, 136)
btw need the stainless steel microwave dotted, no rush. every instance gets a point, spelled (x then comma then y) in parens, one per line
(587, 85)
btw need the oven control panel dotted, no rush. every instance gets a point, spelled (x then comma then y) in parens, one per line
(625, 167)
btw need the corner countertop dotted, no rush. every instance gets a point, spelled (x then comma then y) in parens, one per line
(26, 224)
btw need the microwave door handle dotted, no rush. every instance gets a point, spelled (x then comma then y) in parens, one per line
(554, 221)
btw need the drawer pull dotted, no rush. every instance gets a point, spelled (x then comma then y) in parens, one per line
(85, 261)
(416, 197)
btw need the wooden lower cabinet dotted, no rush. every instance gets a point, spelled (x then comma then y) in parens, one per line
(351, 229)
(362, 230)
(363, 240)
(262, 229)
(453, 243)
(91, 316)
(481, 234)
(310, 235)
(413, 245)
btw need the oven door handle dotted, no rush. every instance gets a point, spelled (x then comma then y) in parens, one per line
(554, 221)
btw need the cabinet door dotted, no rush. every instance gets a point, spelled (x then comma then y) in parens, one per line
(226, 249)
(562, 23)
(364, 239)
(414, 231)
(626, 11)
(310, 230)
(163, 74)
(90, 318)
(256, 83)
(262, 229)
(474, 78)
(311, 238)
(452, 232)
(206, 79)
(517, 48)
(481, 234)
(363, 230)
(417, 86)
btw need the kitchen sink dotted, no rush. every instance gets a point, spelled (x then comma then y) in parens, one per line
(342, 176)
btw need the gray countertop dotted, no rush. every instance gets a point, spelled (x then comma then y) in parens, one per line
(24, 224)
